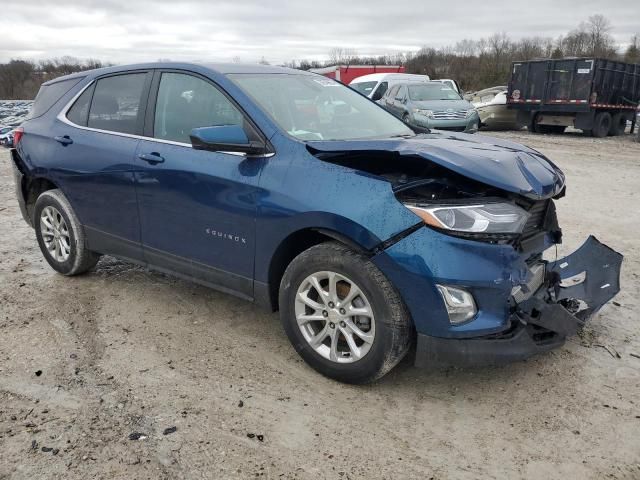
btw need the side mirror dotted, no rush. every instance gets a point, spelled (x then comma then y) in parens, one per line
(225, 138)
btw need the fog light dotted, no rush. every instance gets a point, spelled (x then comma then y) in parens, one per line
(460, 304)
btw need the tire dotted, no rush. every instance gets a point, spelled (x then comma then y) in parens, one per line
(389, 322)
(601, 125)
(406, 119)
(60, 236)
(618, 124)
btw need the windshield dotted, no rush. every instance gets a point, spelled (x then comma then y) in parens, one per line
(421, 93)
(310, 107)
(364, 87)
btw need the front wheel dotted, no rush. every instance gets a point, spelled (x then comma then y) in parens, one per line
(60, 235)
(342, 315)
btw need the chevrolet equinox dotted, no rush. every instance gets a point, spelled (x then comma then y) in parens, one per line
(293, 191)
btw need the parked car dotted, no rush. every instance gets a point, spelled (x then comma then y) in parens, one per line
(375, 85)
(491, 104)
(366, 236)
(6, 136)
(13, 112)
(452, 84)
(431, 105)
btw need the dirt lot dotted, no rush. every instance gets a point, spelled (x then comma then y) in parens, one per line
(85, 362)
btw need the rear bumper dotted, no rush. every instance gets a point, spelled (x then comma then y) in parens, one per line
(18, 177)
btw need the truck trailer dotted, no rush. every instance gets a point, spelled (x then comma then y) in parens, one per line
(347, 73)
(595, 95)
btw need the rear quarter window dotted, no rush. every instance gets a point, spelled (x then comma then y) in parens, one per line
(48, 95)
(79, 112)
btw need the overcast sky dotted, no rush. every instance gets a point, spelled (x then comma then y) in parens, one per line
(123, 31)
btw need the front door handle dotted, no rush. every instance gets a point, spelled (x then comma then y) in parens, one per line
(64, 140)
(152, 158)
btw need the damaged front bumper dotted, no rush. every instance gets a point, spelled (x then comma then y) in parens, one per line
(512, 323)
(575, 288)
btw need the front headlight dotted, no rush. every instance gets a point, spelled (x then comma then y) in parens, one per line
(426, 113)
(471, 112)
(500, 217)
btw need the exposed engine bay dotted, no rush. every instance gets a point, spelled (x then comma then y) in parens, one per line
(414, 180)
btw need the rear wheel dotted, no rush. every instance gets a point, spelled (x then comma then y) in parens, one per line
(601, 125)
(60, 235)
(342, 315)
(618, 124)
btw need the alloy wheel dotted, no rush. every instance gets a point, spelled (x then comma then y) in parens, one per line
(55, 234)
(335, 317)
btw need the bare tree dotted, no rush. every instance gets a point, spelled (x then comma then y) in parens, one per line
(600, 41)
(342, 56)
(632, 54)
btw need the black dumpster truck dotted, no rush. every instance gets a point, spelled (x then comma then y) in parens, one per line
(594, 95)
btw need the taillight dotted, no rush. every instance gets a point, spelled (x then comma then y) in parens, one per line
(17, 136)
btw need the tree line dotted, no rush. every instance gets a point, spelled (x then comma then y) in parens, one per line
(486, 62)
(21, 79)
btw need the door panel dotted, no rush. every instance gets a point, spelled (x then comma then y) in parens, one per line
(197, 212)
(197, 208)
(94, 142)
(98, 179)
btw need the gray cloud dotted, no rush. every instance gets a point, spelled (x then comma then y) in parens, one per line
(125, 31)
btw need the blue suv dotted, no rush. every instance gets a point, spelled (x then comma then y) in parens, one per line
(293, 191)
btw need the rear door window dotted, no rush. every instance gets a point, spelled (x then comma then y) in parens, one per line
(186, 102)
(116, 103)
(50, 94)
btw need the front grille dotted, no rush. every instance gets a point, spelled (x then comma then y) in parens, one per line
(535, 223)
(449, 114)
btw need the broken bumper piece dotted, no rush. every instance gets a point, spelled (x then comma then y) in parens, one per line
(575, 288)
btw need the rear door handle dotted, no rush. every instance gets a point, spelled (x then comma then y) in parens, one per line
(64, 140)
(152, 158)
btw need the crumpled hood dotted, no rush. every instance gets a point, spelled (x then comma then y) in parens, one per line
(499, 163)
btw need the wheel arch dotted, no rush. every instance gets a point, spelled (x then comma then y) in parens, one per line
(296, 242)
(32, 188)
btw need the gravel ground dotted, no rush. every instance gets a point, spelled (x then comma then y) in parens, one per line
(94, 369)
